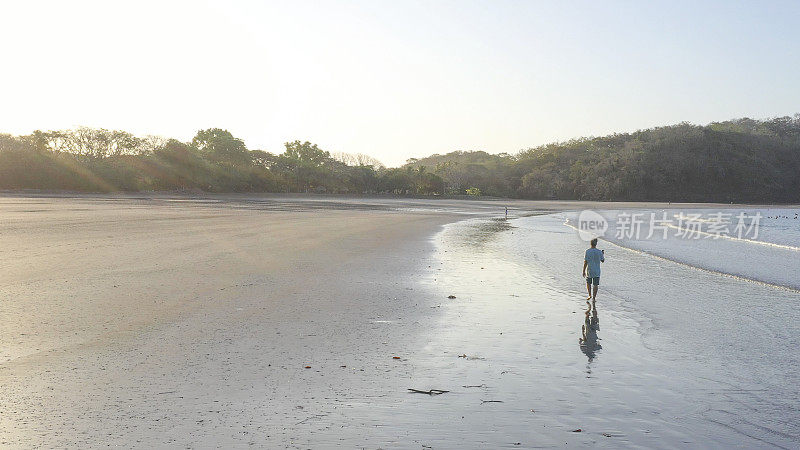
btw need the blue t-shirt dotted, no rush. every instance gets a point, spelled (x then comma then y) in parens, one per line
(593, 258)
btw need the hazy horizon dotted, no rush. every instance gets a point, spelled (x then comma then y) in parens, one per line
(396, 81)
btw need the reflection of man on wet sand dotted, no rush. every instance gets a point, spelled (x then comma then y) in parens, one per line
(591, 261)
(589, 342)
(590, 325)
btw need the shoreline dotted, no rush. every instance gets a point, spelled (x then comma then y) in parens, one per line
(302, 202)
(657, 370)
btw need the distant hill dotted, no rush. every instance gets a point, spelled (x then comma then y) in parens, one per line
(742, 160)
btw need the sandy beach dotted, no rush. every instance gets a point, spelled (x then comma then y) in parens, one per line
(301, 322)
(178, 323)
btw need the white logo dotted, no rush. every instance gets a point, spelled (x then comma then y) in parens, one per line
(591, 225)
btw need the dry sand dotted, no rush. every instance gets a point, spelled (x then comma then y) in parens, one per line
(185, 323)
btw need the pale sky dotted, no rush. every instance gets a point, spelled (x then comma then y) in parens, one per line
(395, 79)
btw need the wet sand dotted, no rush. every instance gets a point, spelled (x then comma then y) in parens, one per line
(676, 356)
(284, 321)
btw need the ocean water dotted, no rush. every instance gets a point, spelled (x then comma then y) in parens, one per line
(764, 248)
(691, 343)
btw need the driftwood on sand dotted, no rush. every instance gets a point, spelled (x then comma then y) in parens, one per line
(429, 392)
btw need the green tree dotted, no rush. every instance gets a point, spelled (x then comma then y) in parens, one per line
(221, 146)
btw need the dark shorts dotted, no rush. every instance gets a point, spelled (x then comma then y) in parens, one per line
(593, 280)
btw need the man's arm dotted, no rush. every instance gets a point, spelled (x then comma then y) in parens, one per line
(602, 256)
(584, 268)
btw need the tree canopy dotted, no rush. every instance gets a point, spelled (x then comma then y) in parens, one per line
(742, 160)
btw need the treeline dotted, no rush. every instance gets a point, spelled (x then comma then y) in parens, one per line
(100, 160)
(741, 160)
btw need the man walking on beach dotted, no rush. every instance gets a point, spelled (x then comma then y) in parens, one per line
(592, 260)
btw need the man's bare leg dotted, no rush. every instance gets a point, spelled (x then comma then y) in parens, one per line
(594, 295)
(589, 288)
